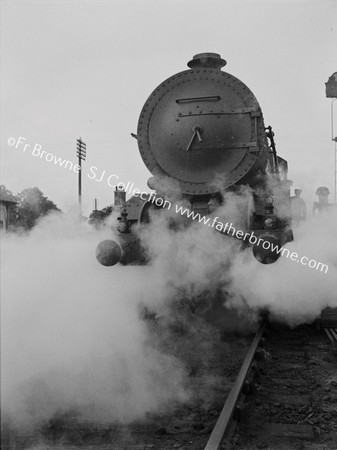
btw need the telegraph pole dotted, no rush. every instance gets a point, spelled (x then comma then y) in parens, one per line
(81, 154)
(331, 92)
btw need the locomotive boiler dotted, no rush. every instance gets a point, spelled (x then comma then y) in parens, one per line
(202, 131)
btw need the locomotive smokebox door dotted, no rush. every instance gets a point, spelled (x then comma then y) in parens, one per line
(203, 128)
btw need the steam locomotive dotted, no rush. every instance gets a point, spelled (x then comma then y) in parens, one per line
(202, 132)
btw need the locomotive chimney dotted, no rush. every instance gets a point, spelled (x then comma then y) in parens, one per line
(120, 197)
(207, 60)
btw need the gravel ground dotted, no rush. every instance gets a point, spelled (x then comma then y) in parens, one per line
(211, 358)
(294, 405)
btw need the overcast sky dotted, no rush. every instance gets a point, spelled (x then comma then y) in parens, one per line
(85, 68)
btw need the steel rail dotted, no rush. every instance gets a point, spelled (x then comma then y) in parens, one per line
(227, 412)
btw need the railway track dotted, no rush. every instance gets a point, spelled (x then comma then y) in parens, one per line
(230, 413)
(284, 397)
(292, 403)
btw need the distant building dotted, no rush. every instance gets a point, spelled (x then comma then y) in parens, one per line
(7, 214)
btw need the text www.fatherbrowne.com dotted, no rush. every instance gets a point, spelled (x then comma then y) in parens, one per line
(230, 230)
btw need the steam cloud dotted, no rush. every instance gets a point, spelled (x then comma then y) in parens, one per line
(292, 292)
(71, 334)
(196, 261)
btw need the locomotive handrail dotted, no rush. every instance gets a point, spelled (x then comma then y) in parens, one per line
(248, 110)
(213, 98)
(270, 136)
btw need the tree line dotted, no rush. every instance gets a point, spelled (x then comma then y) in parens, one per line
(31, 204)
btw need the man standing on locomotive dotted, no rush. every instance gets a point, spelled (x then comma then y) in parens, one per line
(298, 208)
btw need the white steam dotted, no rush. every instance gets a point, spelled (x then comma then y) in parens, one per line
(72, 338)
(292, 291)
(71, 334)
(198, 261)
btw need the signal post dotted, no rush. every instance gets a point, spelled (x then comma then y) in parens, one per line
(81, 154)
